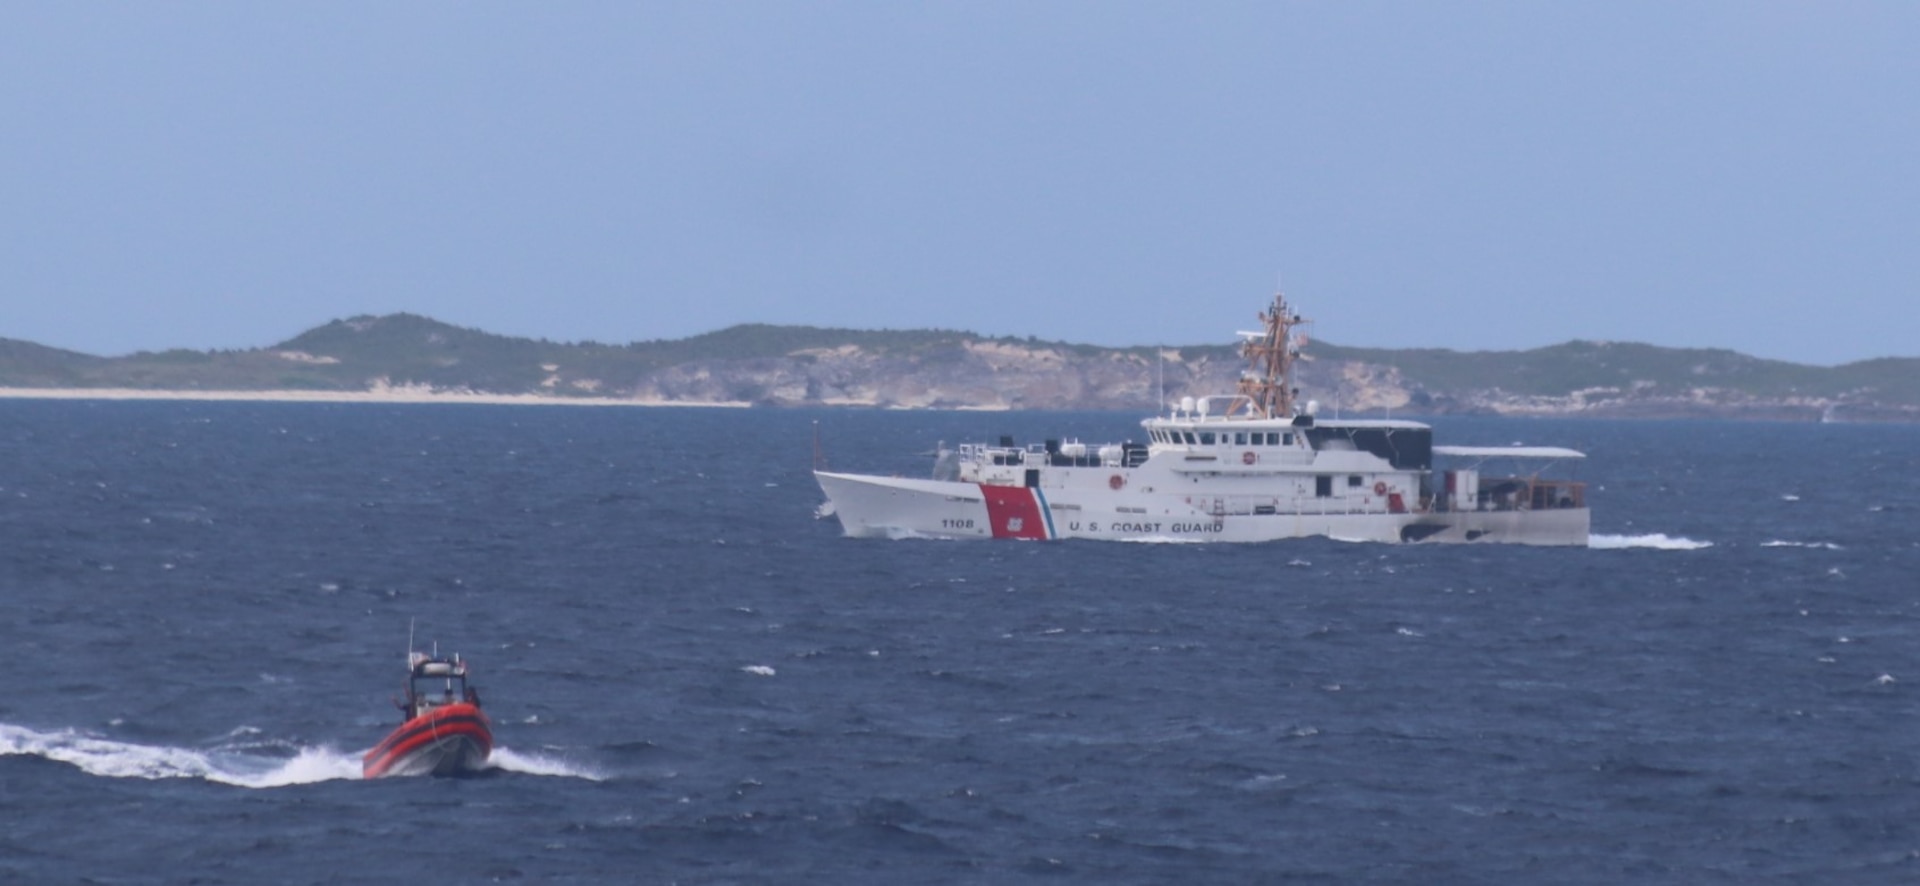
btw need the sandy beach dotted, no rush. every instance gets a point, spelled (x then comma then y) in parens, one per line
(383, 394)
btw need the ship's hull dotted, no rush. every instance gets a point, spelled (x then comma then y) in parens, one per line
(454, 739)
(893, 507)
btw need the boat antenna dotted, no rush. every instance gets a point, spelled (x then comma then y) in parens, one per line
(1268, 384)
(819, 455)
(409, 655)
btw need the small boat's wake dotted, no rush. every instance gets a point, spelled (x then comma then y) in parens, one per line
(250, 764)
(506, 759)
(244, 766)
(1657, 541)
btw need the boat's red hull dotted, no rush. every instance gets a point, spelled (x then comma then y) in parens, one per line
(449, 740)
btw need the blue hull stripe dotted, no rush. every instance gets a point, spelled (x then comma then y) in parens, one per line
(1040, 498)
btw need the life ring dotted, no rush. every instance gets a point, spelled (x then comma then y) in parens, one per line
(1380, 488)
(1246, 458)
(1115, 482)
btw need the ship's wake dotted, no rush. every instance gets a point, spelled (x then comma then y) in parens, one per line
(242, 760)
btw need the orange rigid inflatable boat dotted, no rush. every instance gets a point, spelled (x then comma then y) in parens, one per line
(445, 732)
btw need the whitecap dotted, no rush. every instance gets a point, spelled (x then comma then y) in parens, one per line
(1657, 541)
(758, 670)
(1263, 783)
(1780, 543)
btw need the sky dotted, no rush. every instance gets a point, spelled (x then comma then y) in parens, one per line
(1475, 176)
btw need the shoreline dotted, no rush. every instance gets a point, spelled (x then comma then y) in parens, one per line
(408, 394)
(421, 394)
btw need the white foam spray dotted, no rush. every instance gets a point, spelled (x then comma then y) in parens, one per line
(238, 765)
(1657, 541)
(540, 764)
(119, 759)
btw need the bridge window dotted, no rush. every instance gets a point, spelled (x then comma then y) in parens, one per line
(1240, 439)
(1323, 486)
(1353, 481)
(1206, 438)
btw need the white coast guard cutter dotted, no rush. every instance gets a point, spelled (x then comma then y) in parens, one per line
(1249, 466)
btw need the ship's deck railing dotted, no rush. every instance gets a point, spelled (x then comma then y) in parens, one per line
(1267, 505)
(1521, 494)
(1506, 494)
(1036, 455)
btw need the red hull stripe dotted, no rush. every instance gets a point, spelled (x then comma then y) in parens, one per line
(461, 721)
(475, 753)
(1015, 512)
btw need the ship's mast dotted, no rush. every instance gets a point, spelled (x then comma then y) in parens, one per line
(1268, 382)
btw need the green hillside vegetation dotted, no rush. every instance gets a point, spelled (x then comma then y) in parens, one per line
(28, 365)
(1562, 369)
(403, 349)
(760, 340)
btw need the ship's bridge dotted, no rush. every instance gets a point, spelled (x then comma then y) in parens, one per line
(1230, 421)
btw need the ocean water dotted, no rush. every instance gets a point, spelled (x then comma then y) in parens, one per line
(204, 610)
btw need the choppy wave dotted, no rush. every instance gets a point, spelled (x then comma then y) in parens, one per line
(242, 765)
(1658, 541)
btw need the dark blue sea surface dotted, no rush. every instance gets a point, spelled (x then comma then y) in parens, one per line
(204, 610)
